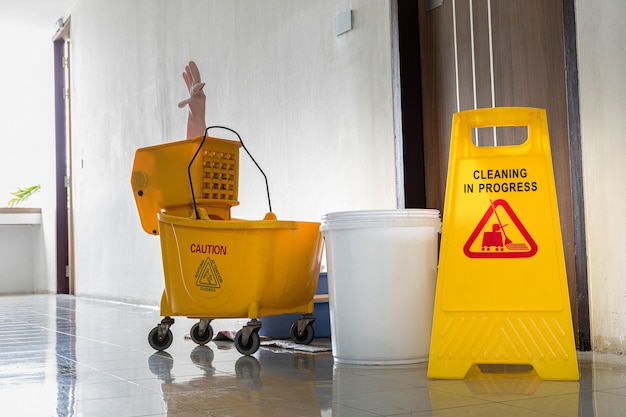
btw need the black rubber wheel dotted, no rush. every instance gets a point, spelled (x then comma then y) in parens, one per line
(201, 339)
(254, 341)
(306, 337)
(160, 344)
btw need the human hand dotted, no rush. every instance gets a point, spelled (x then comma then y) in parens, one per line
(196, 124)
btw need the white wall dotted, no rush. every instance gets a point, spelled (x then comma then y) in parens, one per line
(27, 134)
(602, 65)
(21, 250)
(315, 110)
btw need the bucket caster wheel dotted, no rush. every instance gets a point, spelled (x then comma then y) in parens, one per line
(249, 347)
(302, 331)
(160, 342)
(247, 340)
(202, 332)
(160, 338)
(304, 337)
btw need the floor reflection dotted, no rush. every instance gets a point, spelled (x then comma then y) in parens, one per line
(65, 348)
(510, 386)
(257, 384)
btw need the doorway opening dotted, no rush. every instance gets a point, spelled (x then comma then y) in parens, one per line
(64, 255)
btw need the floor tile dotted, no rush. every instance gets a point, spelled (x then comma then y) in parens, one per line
(72, 356)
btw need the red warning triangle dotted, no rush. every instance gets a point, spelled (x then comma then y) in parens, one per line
(497, 238)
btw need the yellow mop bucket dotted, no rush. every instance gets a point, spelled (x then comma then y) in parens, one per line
(239, 268)
(215, 266)
(234, 269)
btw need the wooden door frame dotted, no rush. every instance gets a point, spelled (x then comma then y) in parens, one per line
(576, 174)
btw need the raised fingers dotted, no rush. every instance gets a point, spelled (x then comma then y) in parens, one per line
(195, 73)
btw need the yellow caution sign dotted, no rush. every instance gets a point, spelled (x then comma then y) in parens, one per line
(502, 295)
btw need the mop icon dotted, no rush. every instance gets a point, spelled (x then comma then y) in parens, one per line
(494, 238)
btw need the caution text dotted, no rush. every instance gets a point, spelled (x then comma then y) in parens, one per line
(487, 181)
(208, 249)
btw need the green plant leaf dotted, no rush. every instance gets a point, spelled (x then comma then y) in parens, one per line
(22, 194)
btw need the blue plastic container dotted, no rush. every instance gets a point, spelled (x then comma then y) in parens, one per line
(279, 326)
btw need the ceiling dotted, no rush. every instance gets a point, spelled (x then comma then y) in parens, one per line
(42, 14)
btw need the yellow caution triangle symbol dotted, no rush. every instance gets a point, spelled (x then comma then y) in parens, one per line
(206, 280)
(208, 275)
(500, 234)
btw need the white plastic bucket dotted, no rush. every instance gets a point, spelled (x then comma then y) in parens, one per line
(382, 270)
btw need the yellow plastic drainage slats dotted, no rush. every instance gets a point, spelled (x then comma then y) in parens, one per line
(238, 268)
(502, 294)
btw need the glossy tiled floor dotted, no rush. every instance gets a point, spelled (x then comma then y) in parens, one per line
(66, 356)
